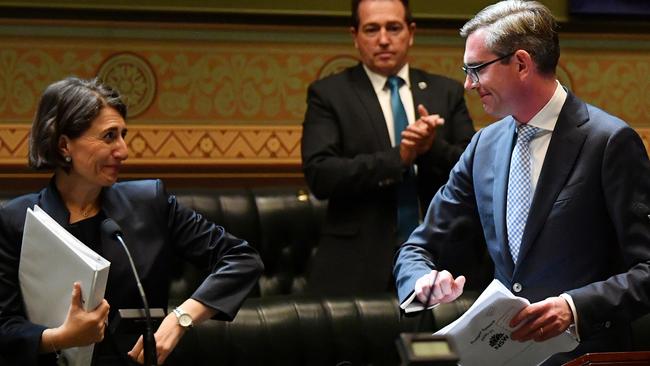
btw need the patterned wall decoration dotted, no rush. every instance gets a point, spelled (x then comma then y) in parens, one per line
(213, 103)
(133, 77)
(183, 145)
(200, 144)
(618, 83)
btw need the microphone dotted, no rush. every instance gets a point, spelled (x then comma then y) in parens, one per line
(439, 351)
(111, 229)
(418, 328)
(640, 209)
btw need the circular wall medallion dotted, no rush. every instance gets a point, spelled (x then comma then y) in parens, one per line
(336, 65)
(133, 78)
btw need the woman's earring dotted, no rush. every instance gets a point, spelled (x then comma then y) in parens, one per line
(68, 159)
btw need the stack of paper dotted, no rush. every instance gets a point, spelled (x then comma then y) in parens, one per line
(51, 260)
(481, 336)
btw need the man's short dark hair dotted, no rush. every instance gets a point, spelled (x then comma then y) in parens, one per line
(67, 107)
(408, 18)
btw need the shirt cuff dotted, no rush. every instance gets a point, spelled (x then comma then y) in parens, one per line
(573, 328)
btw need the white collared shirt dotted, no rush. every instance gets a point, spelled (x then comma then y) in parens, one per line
(545, 120)
(383, 94)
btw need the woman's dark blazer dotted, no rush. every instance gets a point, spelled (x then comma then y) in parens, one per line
(157, 229)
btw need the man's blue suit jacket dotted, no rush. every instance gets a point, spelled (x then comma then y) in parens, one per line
(587, 234)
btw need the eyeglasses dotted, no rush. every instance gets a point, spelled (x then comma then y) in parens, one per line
(472, 71)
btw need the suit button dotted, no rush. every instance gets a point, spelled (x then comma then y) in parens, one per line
(517, 287)
(608, 324)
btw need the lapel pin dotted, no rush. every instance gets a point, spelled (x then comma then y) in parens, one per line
(422, 85)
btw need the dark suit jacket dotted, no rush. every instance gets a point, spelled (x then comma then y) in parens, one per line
(348, 159)
(587, 233)
(157, 229)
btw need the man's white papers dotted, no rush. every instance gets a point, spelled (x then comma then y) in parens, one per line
(481, 336)
(51, 260)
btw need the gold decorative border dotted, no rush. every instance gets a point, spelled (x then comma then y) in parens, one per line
(187, 156)
(185, 145)
(197, 145)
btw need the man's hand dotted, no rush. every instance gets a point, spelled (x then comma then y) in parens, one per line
(418, 137)
(542, 320)
(445, 289)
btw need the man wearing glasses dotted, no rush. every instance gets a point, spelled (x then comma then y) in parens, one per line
(378, 140)
(559, 189)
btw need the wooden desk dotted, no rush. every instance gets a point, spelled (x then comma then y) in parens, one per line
(612, 359)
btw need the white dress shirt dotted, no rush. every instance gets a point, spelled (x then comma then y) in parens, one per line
(545, 120)
(383, 94)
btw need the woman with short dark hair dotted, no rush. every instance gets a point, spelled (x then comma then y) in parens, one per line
(79, 132)
(67, 107)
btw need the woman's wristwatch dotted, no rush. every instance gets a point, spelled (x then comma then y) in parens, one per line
(184, 319)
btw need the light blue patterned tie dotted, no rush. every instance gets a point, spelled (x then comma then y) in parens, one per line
(407, 199)
(519, 188)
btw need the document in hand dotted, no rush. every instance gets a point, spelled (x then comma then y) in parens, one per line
(410, 305)
(481, 336)
(51, 260)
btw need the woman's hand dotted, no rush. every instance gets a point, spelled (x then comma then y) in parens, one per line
(167, 337)
(80, 328)
(170, 332)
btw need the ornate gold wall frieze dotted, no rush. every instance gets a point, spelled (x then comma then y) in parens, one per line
(169, 81)
(617, 82)
(219, 105)
(200, 82)
(215, 145)
(185, 145)
(195, 145)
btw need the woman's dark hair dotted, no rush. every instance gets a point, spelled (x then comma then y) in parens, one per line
(67, 107)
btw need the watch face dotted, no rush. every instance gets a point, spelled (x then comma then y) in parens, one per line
(185, 320)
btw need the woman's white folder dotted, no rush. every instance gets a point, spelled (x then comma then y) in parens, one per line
(51, 260)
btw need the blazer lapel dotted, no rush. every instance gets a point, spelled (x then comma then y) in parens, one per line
(366, 93)
(566, 142)
(500, 189)
(419, 90)
(52, 203)
(115, 206)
